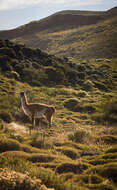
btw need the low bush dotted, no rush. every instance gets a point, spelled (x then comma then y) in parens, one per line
(107, 170)
(6, 116)
(100, 86)
(106, 112)
(33, 157)
(14, 162)
(113, 149)
(36, 157)
(109, 156)
(70, 167)
(108, 139)
(88, 179)
(81, 94)
(71, 104)
(7, 144)
(79, 136)
(70, 152)
(88, 85)
(13, 74)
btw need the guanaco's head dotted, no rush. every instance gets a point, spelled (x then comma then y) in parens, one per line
(22, 94)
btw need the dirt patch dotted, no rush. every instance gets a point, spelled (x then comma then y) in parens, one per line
(17, 127)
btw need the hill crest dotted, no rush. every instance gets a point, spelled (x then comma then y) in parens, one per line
(70, 33)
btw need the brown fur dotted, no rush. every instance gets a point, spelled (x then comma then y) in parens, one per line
(36, 110)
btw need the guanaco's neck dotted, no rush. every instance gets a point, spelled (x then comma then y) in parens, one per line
(24, 101)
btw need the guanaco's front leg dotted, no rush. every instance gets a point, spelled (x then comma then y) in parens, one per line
(33, 122)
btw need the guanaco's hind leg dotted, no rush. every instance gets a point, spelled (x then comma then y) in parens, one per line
(49, 119)
(49, 115)
(33, 122)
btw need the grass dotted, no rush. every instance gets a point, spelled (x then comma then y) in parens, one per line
(108, 170)
(79, 150)
(70, 150)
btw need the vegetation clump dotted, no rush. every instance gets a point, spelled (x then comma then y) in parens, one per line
(70, 152)
(107, 112)
(108, 139)
(71, 103)
(6, 116)
(79, 136)
(8, 144)
(108, 170)
(70, 167)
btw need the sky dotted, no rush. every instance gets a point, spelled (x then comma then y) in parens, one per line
(14, 13)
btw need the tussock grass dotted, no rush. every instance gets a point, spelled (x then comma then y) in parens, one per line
(80, 136)
(108, 170)
(8, 144)
(33, 157)
(88, 179)
(108, 139)
(70, 167)
(69, 152)
(113, 149)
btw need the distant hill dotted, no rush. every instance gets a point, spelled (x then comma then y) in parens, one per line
(81, 34)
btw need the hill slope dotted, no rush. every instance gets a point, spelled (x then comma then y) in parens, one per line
(81, 34)
(75, 153)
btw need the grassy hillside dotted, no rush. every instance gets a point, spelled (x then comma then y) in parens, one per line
(80, 150)
(79, 34)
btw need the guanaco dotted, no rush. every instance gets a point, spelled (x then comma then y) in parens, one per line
(36, 110)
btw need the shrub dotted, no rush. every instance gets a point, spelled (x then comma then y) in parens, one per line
(6, 116)
(5, 64)
(82, 94)
(8, 51)
(13, 74)
(36, 157)
(33, 157)
(70, 152)
(107, 170)
(108, 139)
(15, 163)
(55, 75)
(109, 156)
(88, 108)
(88, 85)
(107, 112)
(72, 76)
(79, 136)
(69, 167)
(66, 176)
(88, 179)
(100, 86)
(7, 144)
(71, 103)
(112, 149)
